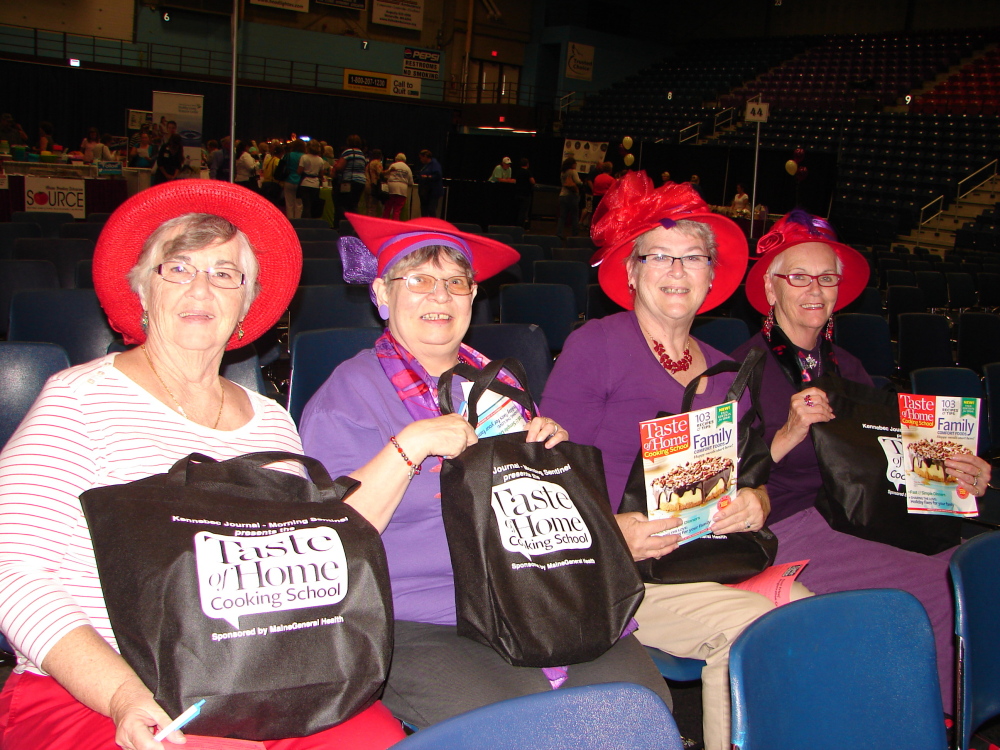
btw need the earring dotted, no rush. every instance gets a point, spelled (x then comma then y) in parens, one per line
(631, 290)
(769, 323)
(383, 312)
(239, 331)
(828, 333)
(144, 321)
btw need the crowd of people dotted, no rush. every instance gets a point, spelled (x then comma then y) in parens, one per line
(189, 269)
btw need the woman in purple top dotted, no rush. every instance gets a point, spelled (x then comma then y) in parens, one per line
(666, 258)
(805, 276)
(377, 418)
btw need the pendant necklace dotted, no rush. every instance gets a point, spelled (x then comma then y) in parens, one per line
(173, 398)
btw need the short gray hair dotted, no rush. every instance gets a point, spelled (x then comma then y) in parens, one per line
(697, 229)
(777, 267)
(430, 254)
(194, 232)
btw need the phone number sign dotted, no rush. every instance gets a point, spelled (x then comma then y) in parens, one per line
(55, 194)
(381, 83)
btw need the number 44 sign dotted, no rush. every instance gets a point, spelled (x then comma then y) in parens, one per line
(757, 112)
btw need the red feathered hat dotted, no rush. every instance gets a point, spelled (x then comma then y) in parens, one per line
(633, 207)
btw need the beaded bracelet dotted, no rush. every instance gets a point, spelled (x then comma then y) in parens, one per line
(414, 468)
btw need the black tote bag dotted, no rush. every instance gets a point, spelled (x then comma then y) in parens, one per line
(726, 558)
(255, 589)
(542, 573)
(854, 452)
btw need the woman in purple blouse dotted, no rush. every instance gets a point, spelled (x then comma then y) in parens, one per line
(377, 418)
(805, 276)
(665, 257)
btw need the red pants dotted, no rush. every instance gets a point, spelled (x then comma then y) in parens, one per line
(36, 712)
(393, 206)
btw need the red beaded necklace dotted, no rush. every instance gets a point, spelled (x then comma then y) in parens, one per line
(670, 365)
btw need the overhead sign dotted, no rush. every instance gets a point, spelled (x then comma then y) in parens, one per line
(302, 6)
(381, 83)
(406, 14)
(421, 63)
(757, 112)
(579, 61)
(55, 194)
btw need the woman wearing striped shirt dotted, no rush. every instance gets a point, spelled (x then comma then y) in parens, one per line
(185, 270)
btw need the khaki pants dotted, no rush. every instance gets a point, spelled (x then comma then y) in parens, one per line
(701, 621)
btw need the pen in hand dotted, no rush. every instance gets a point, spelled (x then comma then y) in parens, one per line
(180, 722)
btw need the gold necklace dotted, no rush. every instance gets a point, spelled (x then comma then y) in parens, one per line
(173, 398)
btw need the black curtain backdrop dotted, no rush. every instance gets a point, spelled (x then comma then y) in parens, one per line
(73, 99)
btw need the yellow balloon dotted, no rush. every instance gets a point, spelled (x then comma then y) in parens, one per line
(627, 141)
(629, 158)
(791, 166)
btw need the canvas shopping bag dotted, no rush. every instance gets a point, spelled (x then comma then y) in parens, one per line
(728, 558)
(542, 573)
(860, 458)
(255, 589)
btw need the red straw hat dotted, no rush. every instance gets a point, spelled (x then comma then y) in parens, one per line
(632, 207)
(796, 228)
(272, 238)
(391, 240)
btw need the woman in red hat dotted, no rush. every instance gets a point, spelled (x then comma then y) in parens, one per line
(665, 258)
(803, 277)
(377, 418)
(186, 271)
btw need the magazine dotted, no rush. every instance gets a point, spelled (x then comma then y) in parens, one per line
(498, 415)
(935, 428)
(689, 466)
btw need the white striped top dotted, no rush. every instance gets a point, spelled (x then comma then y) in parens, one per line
(90, 427)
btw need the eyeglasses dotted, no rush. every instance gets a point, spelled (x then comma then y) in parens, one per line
(423, 283)
(178, 272)
(690, 262)
(805, 279)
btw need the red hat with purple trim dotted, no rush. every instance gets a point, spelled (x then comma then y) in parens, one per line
(384, 241)
(798, 227)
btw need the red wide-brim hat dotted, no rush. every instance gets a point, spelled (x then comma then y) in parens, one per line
(390, 240)
(632, 206)
(271, 236)
(796, 228)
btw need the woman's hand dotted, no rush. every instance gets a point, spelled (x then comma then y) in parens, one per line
(638, 532)
(543, 428)
(746, 512)
(972, 473)
(447, 435)
(806, 408)
(136, 716)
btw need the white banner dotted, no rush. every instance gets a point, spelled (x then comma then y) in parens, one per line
(588, 154)
(302, 6)
(406, 14)
(185, 112)
(579, 61)
(55, 194)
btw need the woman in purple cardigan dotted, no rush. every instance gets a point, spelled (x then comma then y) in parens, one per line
(377, 418)
(805, 276)
(666, 258)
